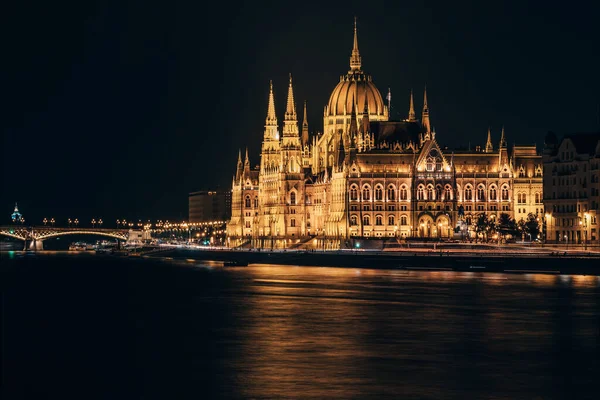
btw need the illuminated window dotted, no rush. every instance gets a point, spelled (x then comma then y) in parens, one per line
(403, 220)
(403, 193)
(391, 193)
(468, 194)
(378, 193)
(366, 193)
(391, 220)
(378, 220)
(366, 220)
(353, 193)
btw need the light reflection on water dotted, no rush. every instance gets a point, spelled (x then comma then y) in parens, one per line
(333, 332)
(269, 331)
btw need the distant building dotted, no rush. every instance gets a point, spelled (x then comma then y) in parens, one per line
(16, 216)
(571, 188)
(206, 206)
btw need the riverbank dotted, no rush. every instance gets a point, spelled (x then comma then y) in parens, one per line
(553, 262)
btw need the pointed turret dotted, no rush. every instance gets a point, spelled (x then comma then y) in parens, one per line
(488, 145)
(355, 60)
(271, 132)
(411, 109)
(290, 123)
(290, 111)
(353, 125)
(271, 116)
(240, 166)
(304, 128)
(365, 118)
(425, 118)
(247, 164)
(502, 139)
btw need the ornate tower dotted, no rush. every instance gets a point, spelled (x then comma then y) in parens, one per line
(411, 109)
(425, 118)
(488, 145)
(305, 128)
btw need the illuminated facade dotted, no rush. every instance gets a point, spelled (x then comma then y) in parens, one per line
(572, 188)
(367, 176)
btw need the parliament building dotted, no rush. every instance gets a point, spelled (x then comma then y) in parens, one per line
(367, 176)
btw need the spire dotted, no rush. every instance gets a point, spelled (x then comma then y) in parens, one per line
(290, 122)
(271, 132)
(305, 127)
(488, 145)
(425, 119)
(365, 118)
(355, 60)
(240, 167)
(411, 109)
(271, 117)
(502, 140)
(290, 111)
(247, 164)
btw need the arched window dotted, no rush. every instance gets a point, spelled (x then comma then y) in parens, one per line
(353, 193)
(378, 220)
(505, 192)
(403, 220)
(379, 193)
(438, 193)
(448, 195)
(430, 164)
(366, 193)
(293, 198)
(420, 193)
(481, 193)
(430, 193)
(366, 220)
(391, 193)
(391, 220)
(248, 205)
(403, 193)
(353, 220)
(493, 193)
(468, 194)
(537, 198)
(524, 198)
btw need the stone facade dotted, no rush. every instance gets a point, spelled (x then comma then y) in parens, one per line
(369, 177)
(572, 188)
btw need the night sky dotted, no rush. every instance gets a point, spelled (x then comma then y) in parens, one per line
(120, 109)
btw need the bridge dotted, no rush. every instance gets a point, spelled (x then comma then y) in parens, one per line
(35, 235)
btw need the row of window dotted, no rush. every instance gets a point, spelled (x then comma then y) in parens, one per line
(366, 220)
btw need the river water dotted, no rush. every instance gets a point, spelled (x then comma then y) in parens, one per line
(88, 327)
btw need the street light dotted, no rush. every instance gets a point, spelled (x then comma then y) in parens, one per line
(100, 223)
(93, 222)
(76, 222)
(52, 221)
(567, 239)
(45, 221)
(69, 221)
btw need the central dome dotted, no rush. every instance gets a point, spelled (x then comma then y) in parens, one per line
(353, 87)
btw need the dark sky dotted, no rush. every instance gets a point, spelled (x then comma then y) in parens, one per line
(119, 109)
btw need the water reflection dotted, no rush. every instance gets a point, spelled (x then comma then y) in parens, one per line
(332, 332)
(180, 329)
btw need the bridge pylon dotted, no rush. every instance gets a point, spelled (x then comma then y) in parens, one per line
(34, 244)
